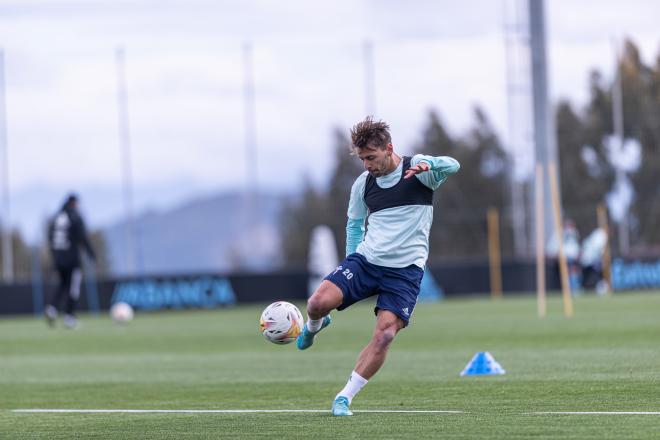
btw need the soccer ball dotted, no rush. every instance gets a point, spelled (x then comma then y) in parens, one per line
(281, 322)
(121, 312)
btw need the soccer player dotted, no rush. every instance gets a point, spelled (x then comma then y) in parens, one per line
(66, 235)
(393, 202)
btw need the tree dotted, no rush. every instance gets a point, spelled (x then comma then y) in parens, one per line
(317, 207)
(300, 215)
(436, 141)
(586, 175)
(641, 110)
(459, 207)
(21, 257)
(347, 168)
(641, 118)
(461, 204)
(100, 246)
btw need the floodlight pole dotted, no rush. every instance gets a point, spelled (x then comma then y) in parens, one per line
(619, 134)
(125, 152)
(369, 78)
(250, 118)
(250, 194)
(544, 121)
(7, 250)
(520, 146)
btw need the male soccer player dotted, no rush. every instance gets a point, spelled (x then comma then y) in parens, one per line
(393, 201)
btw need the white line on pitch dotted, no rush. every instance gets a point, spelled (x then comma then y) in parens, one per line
(219, 411)
(252, 411)
(423, 411)
(598, 413)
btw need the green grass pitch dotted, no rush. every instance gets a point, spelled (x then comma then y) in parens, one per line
(605, 358)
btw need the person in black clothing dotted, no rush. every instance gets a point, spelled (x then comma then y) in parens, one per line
(66, 235)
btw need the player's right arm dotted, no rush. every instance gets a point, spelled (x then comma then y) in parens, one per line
(357, 213)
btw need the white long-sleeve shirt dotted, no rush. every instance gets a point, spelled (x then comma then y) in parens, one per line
(399, 236)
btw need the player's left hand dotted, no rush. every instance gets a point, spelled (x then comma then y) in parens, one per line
(417, 169)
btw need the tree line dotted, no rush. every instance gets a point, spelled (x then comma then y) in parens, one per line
(28, 260)
(585, 140)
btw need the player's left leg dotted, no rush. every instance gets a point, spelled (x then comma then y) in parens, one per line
(75, 280)
(373, 356)
(370, 360)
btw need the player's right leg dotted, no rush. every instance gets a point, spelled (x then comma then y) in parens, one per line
(370, 360)
(73, 279)
(326, 298)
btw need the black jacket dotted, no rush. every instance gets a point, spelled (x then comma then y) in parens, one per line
(66, 235)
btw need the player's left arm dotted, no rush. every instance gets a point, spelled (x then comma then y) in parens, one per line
(432, 171)
(84, 239)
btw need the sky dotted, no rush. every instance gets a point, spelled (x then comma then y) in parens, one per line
(184, 69)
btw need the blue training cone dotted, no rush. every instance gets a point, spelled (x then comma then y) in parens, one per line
(482, 364)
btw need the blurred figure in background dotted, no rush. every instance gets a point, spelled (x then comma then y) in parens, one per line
(571, 247)
(66, 235)
(322, 256)
(572, 252)
(593, 249)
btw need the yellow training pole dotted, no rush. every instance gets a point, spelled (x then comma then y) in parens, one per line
(540, 237)
(563, 267)
(494, 259)
(607, 257)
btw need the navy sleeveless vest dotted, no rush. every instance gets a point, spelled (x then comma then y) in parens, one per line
(406, 192)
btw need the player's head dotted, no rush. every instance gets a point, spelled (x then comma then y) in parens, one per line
(71, 202)
(372, 143)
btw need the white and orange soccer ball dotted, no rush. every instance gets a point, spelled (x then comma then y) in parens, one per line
(281, 322)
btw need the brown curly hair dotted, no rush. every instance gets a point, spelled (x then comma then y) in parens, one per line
(369, 133)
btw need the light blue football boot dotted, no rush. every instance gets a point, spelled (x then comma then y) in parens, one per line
(306, 338)
(340, 407)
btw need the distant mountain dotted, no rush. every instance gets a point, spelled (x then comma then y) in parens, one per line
(101, 204)
(215, 233)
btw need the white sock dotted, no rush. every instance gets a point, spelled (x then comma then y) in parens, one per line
(314, 325)
(353, 386)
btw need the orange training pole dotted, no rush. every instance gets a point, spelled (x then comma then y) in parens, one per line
(607, 256)
(563, 267)
(495, 262)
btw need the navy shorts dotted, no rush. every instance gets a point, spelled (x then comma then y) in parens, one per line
(397, 288)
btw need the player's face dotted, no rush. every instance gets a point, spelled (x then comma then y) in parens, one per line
(377, 161)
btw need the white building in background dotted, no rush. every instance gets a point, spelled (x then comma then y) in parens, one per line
(322, 256)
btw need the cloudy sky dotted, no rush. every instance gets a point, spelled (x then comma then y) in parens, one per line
(185, 76)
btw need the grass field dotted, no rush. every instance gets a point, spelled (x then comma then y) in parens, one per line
(606, 358)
